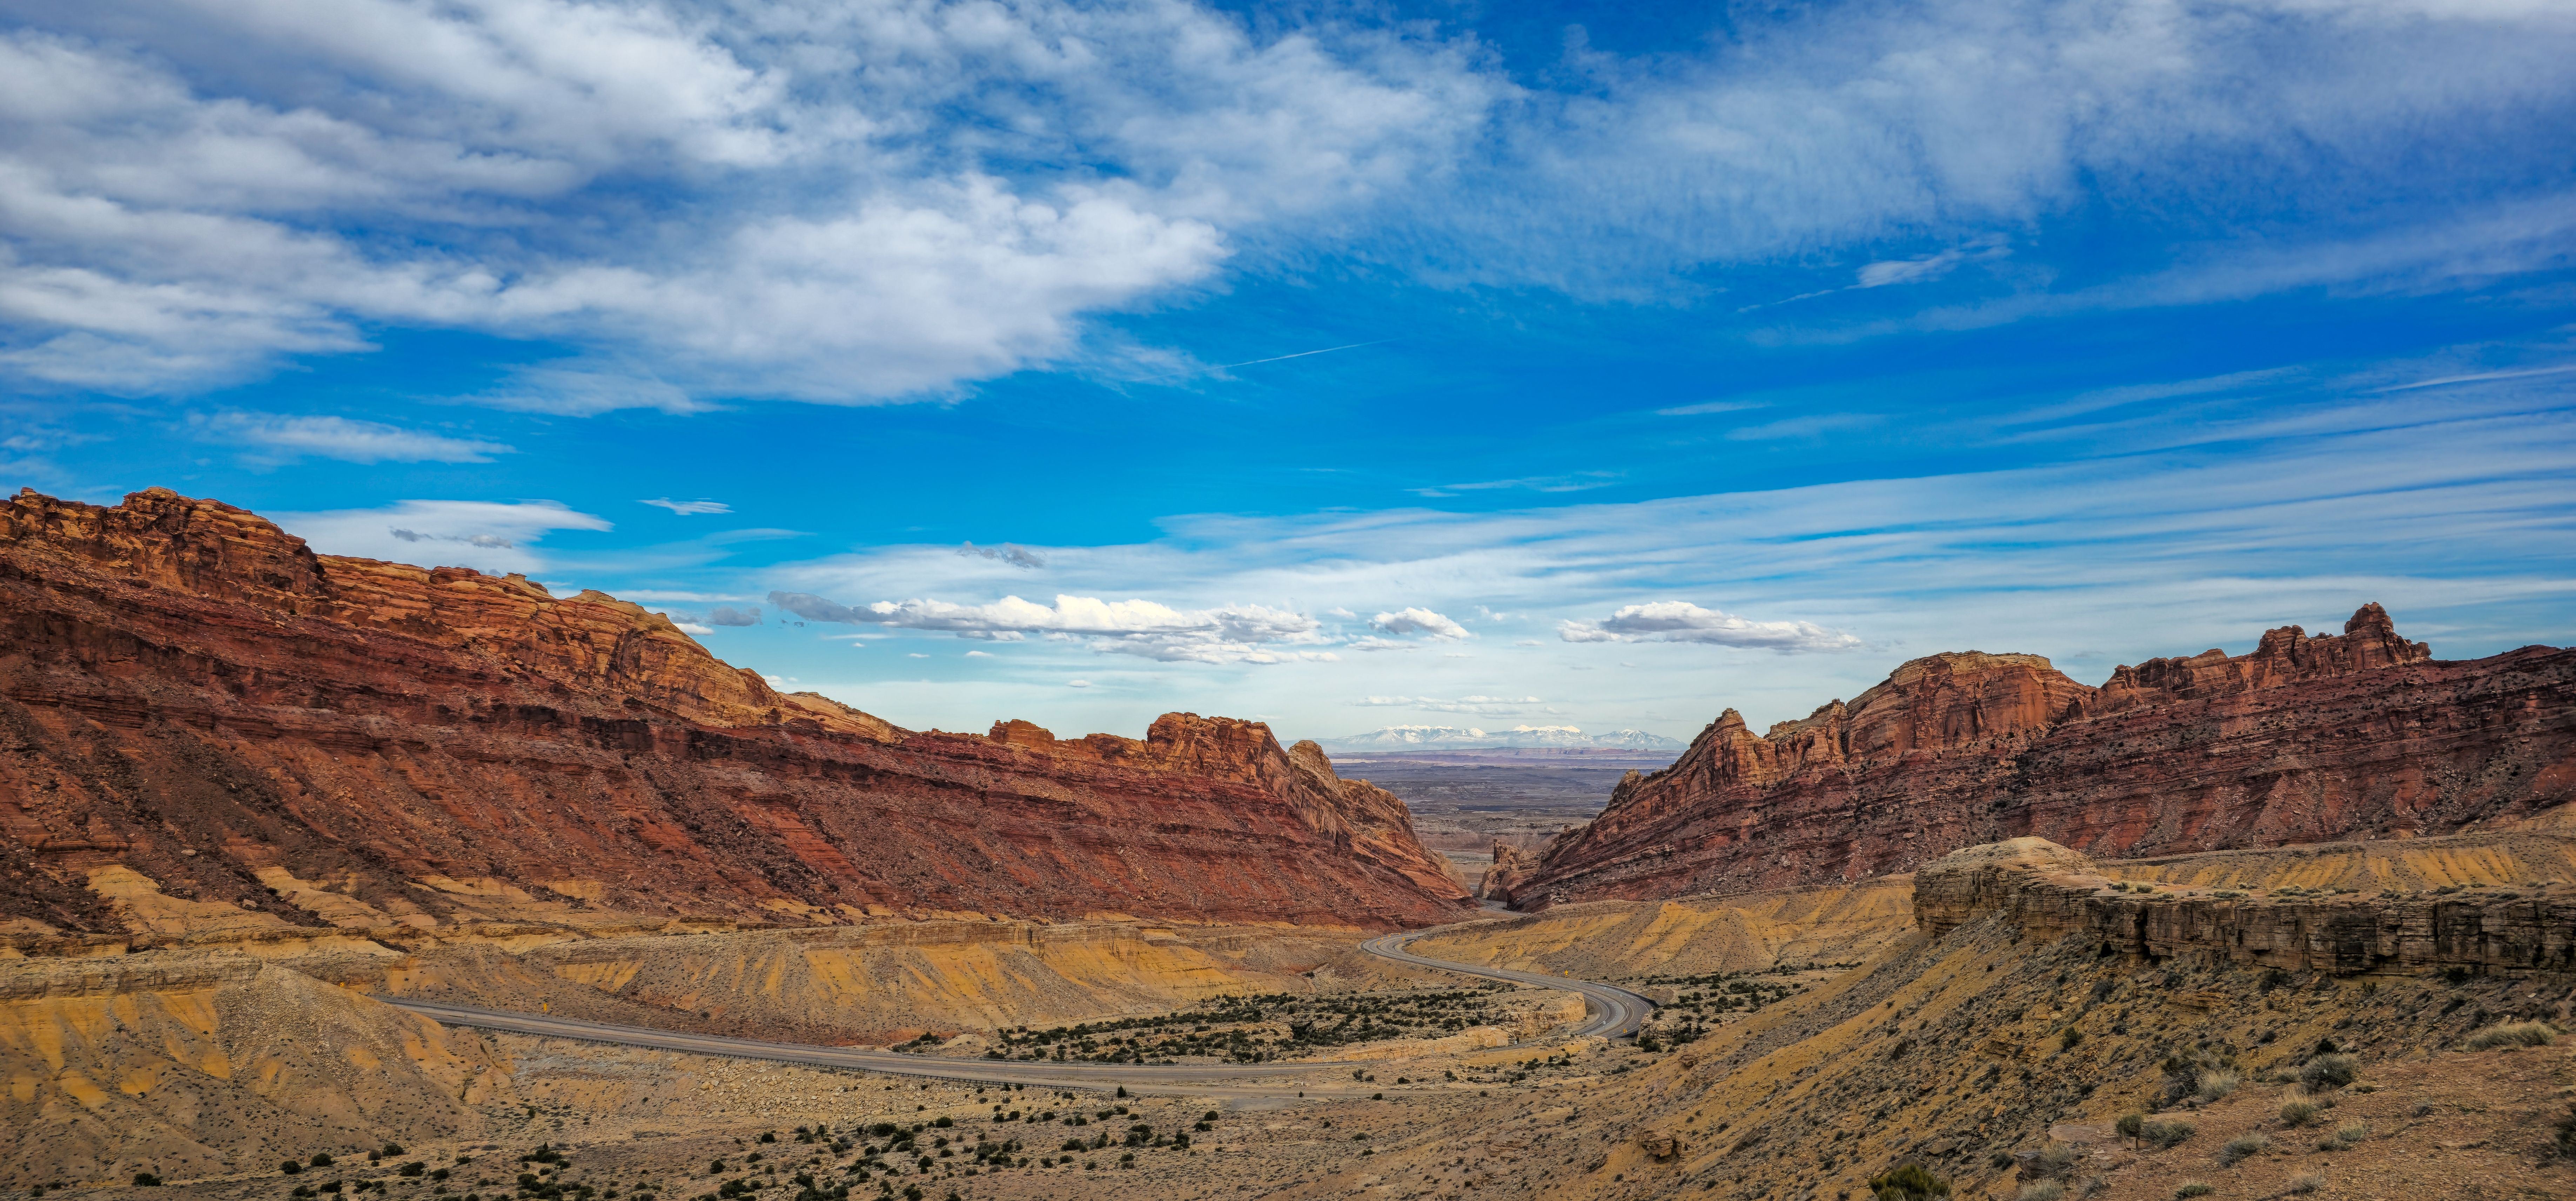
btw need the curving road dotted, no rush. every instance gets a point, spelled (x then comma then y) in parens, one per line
(1614, 1013)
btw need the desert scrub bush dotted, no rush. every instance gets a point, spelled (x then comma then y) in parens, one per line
(2349, 1133)
(2193, 1188)
(2069, 1039)
(2327, 1072)
(2043, 1190)
(2241, 1148)
(2165, 1132)
(2297, 1112)
(2129, 1123)
(2094, 1184)
(2216, 1083)
(2306, 1182)
(2050, 1161)
(1909, 1182)
(2513, 1034)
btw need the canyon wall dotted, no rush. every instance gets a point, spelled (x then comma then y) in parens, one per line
(2049, 892)
(207, 727)
(2357, 735)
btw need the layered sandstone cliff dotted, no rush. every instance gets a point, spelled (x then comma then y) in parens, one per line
(209, 726)
(2361, 734)
(2049, 892)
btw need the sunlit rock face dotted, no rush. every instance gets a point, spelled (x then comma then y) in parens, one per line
(2358, 735)
(213, 727)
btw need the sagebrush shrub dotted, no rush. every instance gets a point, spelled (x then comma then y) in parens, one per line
(2297, 1113)
(2216, 1083)
(2165, 1132)
(2513, 1034)
(2193, 1188)
(1908, 1182)
(2328, 1072)
(2241, 1147)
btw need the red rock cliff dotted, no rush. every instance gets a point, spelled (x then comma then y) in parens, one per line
(2304, 739)
(191, 693)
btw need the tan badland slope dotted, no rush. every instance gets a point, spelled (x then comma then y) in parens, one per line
(871, 984)
(208, 1064)
(1953, 1051)
(1691, 936)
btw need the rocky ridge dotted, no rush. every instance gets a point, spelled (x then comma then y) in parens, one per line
(205, 726)
(2050, 893)
(2303, 739)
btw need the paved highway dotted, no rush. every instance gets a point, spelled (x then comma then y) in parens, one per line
(1614, 1013)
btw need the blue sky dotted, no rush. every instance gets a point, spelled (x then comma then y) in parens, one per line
(1341, 365)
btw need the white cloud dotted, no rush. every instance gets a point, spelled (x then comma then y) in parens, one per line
(979, 654)
(1077, 683)
(742, 201)
(688, 508)
(691, 627)
(275, 437)
(1227, 634)
(1413, 620)
(491, 536)
(1682, 621)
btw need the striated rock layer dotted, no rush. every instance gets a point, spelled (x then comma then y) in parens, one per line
(205, 726)
(2049, 892)
(2362, 734)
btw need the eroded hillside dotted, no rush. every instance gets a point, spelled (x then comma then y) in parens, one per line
(209, 726)
(2303, 740)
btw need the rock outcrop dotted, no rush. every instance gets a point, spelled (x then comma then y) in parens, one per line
(2049, 892)
(207, 725)
(2361, 734)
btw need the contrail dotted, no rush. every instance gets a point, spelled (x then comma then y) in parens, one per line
(1301, 354)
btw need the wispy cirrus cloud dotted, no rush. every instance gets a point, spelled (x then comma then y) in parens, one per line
(1229, 634)
(279, 437)
(688, 508)
(1682, 621)
(495, 536)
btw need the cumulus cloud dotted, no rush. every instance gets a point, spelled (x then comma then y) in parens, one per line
(1411, 620)
(688, 508)
(1682, 621)
(727, 615)
(1495, 706)
(276, 437)
(1228, 634)
(492, 536)
(691, 627)
(706, 199)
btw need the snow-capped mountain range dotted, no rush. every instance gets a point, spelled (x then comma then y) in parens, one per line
(1457, 738)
